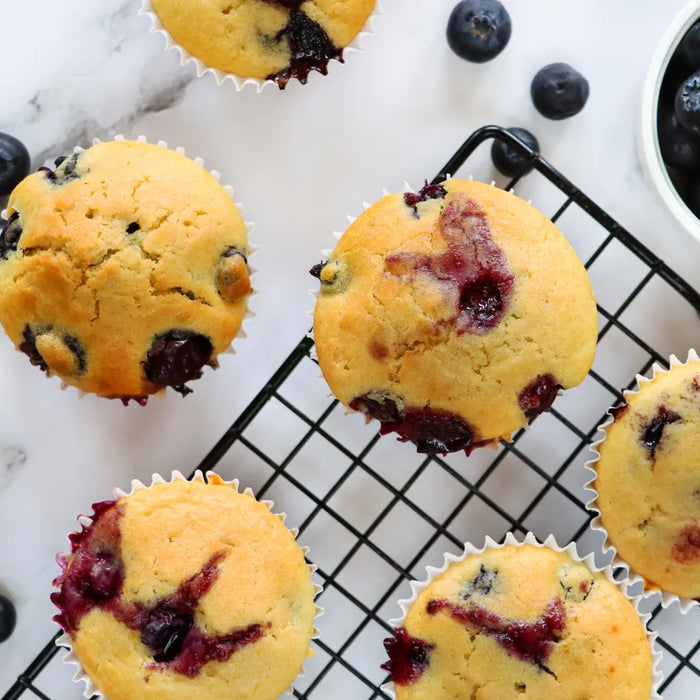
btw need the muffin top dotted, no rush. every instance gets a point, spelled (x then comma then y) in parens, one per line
(187, 590)
(521, 621)
(124, 270)
(265, 39)
(648, 480)
(453, 315)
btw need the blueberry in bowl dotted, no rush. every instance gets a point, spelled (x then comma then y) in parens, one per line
(559, 91)
(687, 104)
(669, 143)
(478, 30)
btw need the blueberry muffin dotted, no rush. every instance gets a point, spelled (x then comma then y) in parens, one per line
(648, 480)
(521, 621)
(123, 270)
(453, 315)
(265, 39)
(187, 590)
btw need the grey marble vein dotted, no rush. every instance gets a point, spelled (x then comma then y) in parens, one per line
(11, 461)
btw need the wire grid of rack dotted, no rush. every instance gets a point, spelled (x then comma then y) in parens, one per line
(374, 512)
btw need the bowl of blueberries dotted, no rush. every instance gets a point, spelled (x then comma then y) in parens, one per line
(670, 119)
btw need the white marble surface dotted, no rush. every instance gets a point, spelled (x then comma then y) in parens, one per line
(299, 161)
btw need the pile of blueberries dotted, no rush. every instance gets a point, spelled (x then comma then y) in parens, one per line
(477, 31)
(678, 119)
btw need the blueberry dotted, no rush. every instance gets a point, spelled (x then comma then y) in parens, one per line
(104, 575)
(510, 160)
(9, 236)
(310, 49)
(559, 91)
(315, 270)
(538, 396)
(164, 632)
(14, 163)
(653, 430)
(478, 30)
(482, 584)
(687, 104)
(28, 347)
(679, 148)
(426, 192)
(692, 198)
(677, 71)
(690, 47)
(177, 357)
(8, 618)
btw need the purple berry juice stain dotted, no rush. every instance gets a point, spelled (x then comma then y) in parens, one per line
(686, 548)
(473, 264)
(408, 657)
(94, 578)
(532, 642)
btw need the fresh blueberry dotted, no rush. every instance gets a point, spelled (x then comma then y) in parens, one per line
(677, 71)
(687, 104)
(478, 30)
(690, 47)
(679, 148)
(511, 160)
(559, 91)
(14, 163)
(8, 618)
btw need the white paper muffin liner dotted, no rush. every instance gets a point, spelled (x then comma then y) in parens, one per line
(251, 250)
(241, 81)
(667, 599)
(64, 640)
(550, 542)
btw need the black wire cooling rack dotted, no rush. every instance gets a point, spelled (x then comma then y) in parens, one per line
(374, 512)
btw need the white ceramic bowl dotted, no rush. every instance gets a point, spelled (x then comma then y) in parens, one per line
(649, 138)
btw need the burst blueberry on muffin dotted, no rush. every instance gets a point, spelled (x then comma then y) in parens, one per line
(185, 590)
(520, 621)
(453, 315)
(124, 270)
(648, 480)
(265, 39)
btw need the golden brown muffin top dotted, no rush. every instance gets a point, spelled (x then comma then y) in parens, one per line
(126, 269)
(265, 39)
(521, 622)
(648, 480)
(187, 590)
(453, 315)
